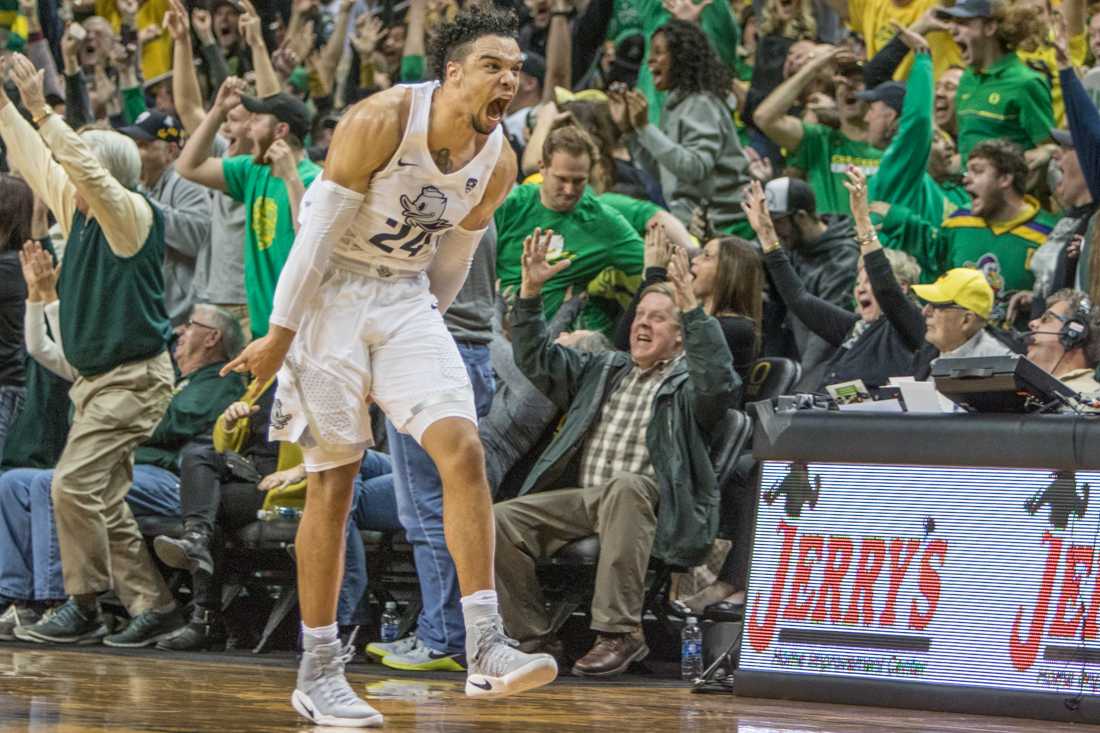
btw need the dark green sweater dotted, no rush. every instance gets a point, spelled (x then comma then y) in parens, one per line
(113, 311)
(198, 400)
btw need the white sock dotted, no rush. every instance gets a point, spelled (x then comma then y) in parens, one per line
(319, 636)
(479, 605)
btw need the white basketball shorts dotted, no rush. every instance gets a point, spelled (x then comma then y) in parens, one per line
(367, 337)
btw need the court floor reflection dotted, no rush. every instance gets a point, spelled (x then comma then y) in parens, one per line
(66, 691)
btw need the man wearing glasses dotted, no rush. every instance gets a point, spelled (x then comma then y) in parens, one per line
(1064, 342)
(957, 307)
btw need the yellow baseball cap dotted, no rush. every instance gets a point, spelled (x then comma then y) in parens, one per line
(963, 286)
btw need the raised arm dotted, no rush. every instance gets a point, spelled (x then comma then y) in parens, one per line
(364, 141)
(30, 158)
(38, 48)
(185, 82)
(251, 30)
(196, 162)
(831, 322)
(559, 49)
(1084, 124)
(78, 105)
(334, 47)
(902, 313)
(772, 117)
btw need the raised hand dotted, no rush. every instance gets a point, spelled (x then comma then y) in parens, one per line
(229, 94)
(755, 206)
(616, 105)
(368, 32)
(680, 277)
(249, 26)
(28, 80)
(39, 272)
(687, 10)
(658, 249)
(856, 183)
(176, 22)
(637, 108)
(536, 268)
(203, 25)
(127, 9)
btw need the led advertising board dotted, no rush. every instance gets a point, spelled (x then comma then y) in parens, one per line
(916, 575)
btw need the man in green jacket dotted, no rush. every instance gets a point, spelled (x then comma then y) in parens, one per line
(629, 464)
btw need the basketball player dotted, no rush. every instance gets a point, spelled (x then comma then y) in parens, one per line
(411, 181)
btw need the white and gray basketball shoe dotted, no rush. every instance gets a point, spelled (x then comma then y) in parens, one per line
(497, 668)
(323, 694)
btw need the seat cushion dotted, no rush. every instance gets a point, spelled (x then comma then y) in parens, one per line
(278, 534)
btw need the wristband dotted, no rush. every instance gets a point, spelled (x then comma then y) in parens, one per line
(39, 117)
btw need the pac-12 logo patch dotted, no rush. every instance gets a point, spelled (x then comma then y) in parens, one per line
(471, 184)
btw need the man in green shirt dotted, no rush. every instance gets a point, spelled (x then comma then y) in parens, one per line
(270, 183)
(821, 153)
(599, 242)
(1003, 227)
(999, 95)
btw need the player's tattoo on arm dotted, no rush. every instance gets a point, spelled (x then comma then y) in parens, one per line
(442, 160)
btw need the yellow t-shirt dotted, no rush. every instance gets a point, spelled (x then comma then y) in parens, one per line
(1045, 61)
(156, 55)
(871, 19)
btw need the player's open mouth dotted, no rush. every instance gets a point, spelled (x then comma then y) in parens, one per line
(497, 108)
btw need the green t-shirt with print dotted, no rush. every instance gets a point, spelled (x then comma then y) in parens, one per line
(824, 155)
(1008, 100)
(595, 237)
(269, 228)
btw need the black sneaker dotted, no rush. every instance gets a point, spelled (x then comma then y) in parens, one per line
(191, 552)
(147, 629)
(66, 624)
(16, 617)
(204, 631)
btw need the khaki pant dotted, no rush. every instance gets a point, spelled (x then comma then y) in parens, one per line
(101, 547)
(240, 312)
(623, 514)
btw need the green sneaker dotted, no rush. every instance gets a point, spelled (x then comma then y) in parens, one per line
(67, 624)
(380, 650)
(147, 629)
(422, 658)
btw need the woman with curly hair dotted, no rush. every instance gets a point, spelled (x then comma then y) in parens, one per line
(999, 96)
(694, 151)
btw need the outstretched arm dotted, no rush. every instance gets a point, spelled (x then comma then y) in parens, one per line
(771, 115)
(195, 162)
(364, 141)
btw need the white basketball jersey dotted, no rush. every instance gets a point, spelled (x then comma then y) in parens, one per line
(410, 203)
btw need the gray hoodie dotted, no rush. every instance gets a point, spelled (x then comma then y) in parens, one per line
(697, 157)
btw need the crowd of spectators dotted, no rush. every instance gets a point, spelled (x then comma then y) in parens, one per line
(859, 186)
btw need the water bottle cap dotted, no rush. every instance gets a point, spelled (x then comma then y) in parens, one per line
(692, 620)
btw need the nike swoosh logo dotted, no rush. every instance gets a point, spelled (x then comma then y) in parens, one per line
(309, 709)
(403, 164)
(482, 685)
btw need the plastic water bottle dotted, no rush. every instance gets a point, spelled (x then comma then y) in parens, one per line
(391, 623)
(691, 650)
(279, 514)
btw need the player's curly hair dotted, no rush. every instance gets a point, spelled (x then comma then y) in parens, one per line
(695, 67)
(1018, 25)
(451, 39)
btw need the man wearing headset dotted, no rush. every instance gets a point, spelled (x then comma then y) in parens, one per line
(1065, 340)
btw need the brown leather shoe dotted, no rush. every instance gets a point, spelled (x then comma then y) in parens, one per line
(612, 654)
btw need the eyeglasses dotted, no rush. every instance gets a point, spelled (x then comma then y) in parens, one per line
(944, 306)
(192, 322)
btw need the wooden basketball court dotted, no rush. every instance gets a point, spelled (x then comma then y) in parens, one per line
(74, 691)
